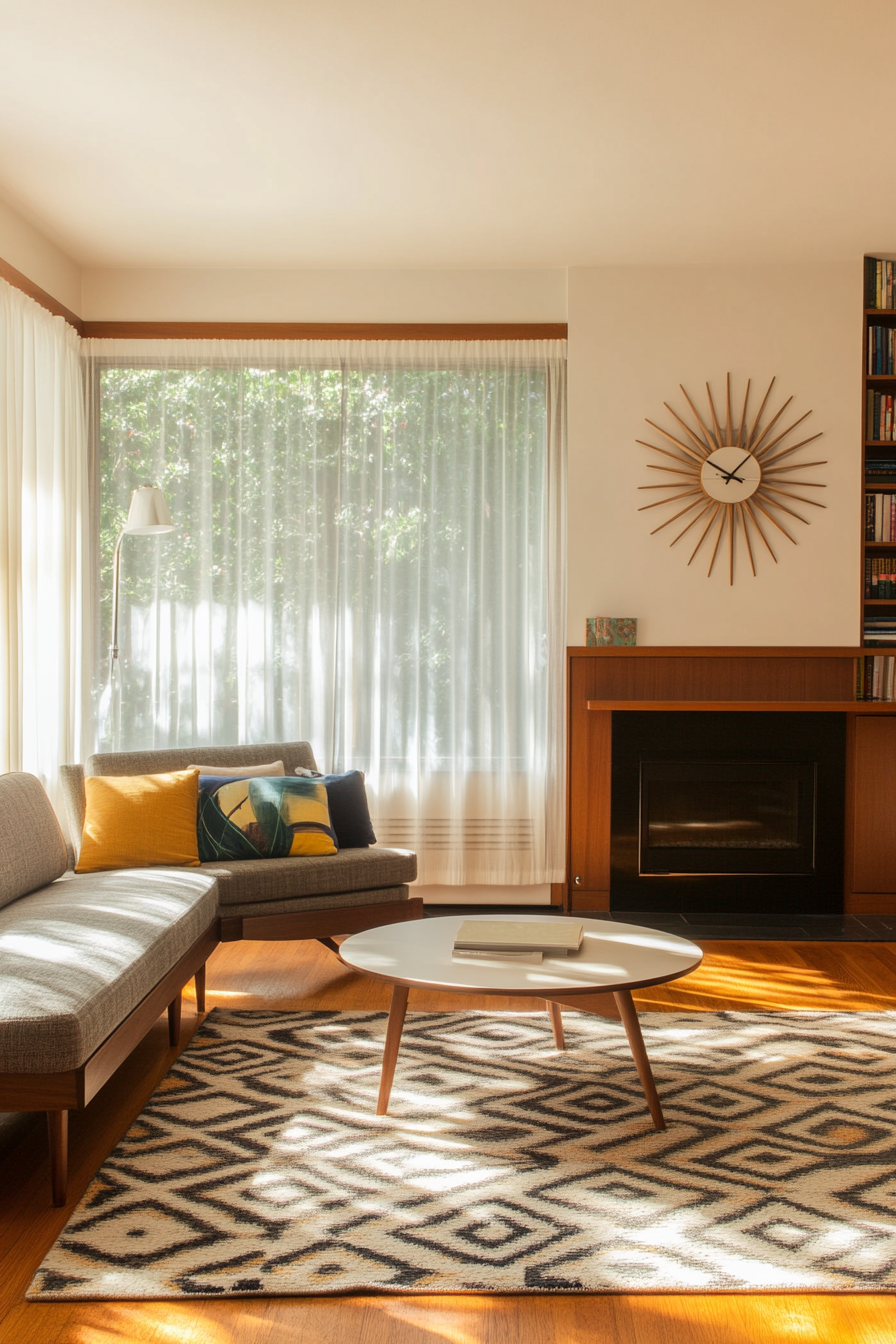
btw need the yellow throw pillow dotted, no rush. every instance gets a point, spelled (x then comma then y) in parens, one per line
(138, 821)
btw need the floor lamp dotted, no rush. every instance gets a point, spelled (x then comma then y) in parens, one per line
(147, 516)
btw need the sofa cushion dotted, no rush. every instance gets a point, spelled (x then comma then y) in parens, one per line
(295, 879)
(32, 847)
(78, 956)
(140, 821)
(349, 811)
(262, 818)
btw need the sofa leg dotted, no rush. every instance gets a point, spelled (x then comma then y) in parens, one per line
(174, 1020)
(57, 1126)
(199, 982)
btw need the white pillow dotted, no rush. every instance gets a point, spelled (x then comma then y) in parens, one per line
(275, 768)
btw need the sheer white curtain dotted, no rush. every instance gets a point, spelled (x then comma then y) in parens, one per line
(45, 606)
(368, 554)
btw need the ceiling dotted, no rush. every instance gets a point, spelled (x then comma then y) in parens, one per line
(486, 133)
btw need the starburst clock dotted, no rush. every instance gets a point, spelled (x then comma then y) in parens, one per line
(734, 481)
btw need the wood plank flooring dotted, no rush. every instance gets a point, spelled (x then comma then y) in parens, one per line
(846, 976)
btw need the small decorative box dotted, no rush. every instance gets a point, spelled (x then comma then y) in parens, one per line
(603, 631)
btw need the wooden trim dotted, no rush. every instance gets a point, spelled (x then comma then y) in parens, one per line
(324, 923)
(557, 893)
(21, 282)
(696, 651)
(327, 331)
(42, 1091)
(878, 707)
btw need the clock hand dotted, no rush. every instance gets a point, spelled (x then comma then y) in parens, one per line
(729, 476)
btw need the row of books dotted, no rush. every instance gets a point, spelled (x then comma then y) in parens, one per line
(880, 517)
(879, 631)
(881, 350)
(879, 289)
(880, 466)
(880, 578)
(878, 416)
(876, 677)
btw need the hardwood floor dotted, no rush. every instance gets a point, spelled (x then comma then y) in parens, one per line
(847, 976)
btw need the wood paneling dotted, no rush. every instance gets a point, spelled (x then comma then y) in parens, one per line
(284, 976)
(874, 804)
(329, 331)
(701, 675)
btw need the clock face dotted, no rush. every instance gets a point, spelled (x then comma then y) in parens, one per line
(730, 475)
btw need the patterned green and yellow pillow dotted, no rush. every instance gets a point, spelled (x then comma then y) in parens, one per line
(262, 818)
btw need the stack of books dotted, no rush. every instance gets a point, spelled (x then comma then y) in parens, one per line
(880, 466)
(517, 940)
(875, 679)
(879, 630)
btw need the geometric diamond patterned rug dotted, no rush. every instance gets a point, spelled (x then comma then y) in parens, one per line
(260, 1168)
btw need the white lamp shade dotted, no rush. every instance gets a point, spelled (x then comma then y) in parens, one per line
(148, 512)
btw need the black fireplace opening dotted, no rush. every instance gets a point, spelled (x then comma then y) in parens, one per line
(739, 812)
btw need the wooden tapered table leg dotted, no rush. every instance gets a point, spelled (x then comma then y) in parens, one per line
(199, 982)
(556, 1023)
(629, 1015)
(57, 1127)
(174, 1020)
(397, 1011)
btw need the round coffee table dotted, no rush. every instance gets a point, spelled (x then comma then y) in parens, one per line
(613, 960)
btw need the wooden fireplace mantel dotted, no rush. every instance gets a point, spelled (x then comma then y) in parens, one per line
(601, 682)
(746, 706)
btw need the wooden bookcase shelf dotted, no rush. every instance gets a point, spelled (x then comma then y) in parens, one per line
(872, 450)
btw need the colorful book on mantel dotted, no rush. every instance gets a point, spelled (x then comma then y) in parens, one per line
(519, 935)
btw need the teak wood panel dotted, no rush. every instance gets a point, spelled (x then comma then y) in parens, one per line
(708, 678)
(874, 818)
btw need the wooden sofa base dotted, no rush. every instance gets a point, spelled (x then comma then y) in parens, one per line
(58, 1093)
(318, 923)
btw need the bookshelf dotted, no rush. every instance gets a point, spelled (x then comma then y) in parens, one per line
(879, 458)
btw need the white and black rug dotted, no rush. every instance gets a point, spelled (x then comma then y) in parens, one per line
(259, 1166)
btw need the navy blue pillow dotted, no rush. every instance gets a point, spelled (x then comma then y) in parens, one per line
(349, 812)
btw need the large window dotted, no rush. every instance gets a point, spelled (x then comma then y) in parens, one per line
(366, 556)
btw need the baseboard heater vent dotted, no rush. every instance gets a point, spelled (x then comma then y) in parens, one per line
(484, 834)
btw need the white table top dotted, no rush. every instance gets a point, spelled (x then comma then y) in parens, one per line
(612, 956)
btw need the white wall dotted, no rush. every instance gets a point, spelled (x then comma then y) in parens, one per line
(634, 335)
(29, 251)
(324, 296)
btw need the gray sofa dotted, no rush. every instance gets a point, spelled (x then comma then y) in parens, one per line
(275, 898)
(87, 963)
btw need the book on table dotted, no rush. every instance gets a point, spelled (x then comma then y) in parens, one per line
(519, 935)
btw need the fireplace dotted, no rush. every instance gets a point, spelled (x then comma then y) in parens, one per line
(727, 811)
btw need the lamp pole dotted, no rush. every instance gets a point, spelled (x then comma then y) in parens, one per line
(147, 516)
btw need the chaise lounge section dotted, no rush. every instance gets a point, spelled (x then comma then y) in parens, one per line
(88, 962)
